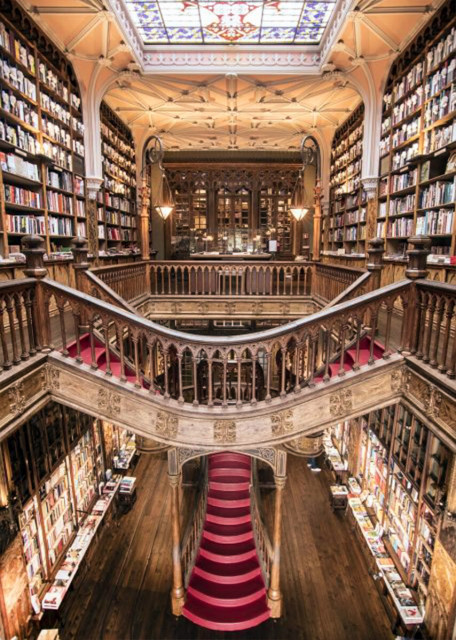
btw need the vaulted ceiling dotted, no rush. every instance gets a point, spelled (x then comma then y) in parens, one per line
(205, 101)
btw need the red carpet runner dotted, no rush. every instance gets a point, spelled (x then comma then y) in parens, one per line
(226, 590)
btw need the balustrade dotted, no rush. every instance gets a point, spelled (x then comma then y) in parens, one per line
(192, 536)
(19, 338)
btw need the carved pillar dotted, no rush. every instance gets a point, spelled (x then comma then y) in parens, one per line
(274, 594)
(93, 186)
(375, 261)
(80, 251)
(306, 446)
(317, 240)
(370, 188)
(144, 217)
(177, 591)
(34, 249)
(418, 253)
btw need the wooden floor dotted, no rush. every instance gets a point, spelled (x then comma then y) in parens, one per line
(328, 593)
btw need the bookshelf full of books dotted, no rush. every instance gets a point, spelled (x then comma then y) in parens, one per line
(403, 466)
(41, 143)
(116, 205)
(345, 229)
(418, 143)
(58, 493)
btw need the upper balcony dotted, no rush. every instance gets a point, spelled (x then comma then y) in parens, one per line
(265, 387)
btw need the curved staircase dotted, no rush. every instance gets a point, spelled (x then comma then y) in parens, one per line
(226, 591)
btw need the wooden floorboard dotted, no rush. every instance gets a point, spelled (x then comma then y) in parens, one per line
(328, 593)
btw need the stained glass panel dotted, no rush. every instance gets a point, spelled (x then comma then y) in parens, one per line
(230, 21)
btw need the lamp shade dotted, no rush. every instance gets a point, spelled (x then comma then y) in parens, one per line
(164, 202)
(299, 207)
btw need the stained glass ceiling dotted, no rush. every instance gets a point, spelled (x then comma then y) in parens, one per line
(230, 21)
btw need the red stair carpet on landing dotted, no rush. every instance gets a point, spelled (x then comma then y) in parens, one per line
(226, 591)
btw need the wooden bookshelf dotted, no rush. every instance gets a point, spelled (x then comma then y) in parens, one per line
(404, 468)
(345, 228)
(418, 139)
(54, 464)
(117, 221)
(41, 141)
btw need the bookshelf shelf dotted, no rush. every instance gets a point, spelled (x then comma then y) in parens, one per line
(41, 131)
(344, 230)
(420, 135)
(118, 195)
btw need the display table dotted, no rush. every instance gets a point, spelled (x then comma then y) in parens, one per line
(79, 547)
(408, 616)
(127, 491)
(338, 496)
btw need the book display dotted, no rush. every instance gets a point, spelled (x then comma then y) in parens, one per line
(116, 211)
(41, 144)
(124, 449)
(417, 173)
(274, 213)
(403, 469)
(345, 229)
(67, 467)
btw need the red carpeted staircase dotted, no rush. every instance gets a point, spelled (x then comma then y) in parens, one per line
(100, 357)
(350, 358)
(226, 591)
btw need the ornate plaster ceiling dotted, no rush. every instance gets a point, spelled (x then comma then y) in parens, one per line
(235, 97)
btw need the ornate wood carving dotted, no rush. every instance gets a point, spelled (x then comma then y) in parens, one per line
(282, 422)
(50, 377)
(16, 398)
(109, 401)
(166, 425)
(341, 403)
(225, 431)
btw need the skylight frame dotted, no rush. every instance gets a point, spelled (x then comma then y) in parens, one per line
(209, 38)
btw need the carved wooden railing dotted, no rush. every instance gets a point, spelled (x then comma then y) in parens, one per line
(19, 321)
(128, 281)
(233, 370)
(262, 540)
(181, 278)
(330, 281)
(192, 536)
(433, 333)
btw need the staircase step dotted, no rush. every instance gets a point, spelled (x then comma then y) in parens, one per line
(227, 537)
(219, 619)
(227, 595)
(219, 552)
(235, 484)
(335, 366)
(222, 515)
(228, 499)
(227, 573)
(226, 472)
(232, 461)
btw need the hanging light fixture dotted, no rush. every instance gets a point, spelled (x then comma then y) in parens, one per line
(299, 207)
(164, 203)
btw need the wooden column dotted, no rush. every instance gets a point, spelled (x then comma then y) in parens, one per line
(177, 591)
(417, 269)
(34, 249)
(316, 240)
(93, 186)
(375, 261)
(144, 218)
(274, 594)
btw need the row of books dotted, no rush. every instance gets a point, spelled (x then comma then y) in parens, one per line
(19, 108)
(401, 158)
(435, 223)
(57, 132)
(408, 106)
(440, 78)
(48, 77)
(11, 43)
(15, 77)
(409, 81)
(26, 224)
(439, 137)
(441, 50)
(19, 166)
(19, 137)
(401, 205)
(113, 137)
(405, 132)
(59, 203)
(403, 180)
(440, 192)
(55, 108)
(24, 197)
(440, 106)
(400, 227)
(122, 160)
